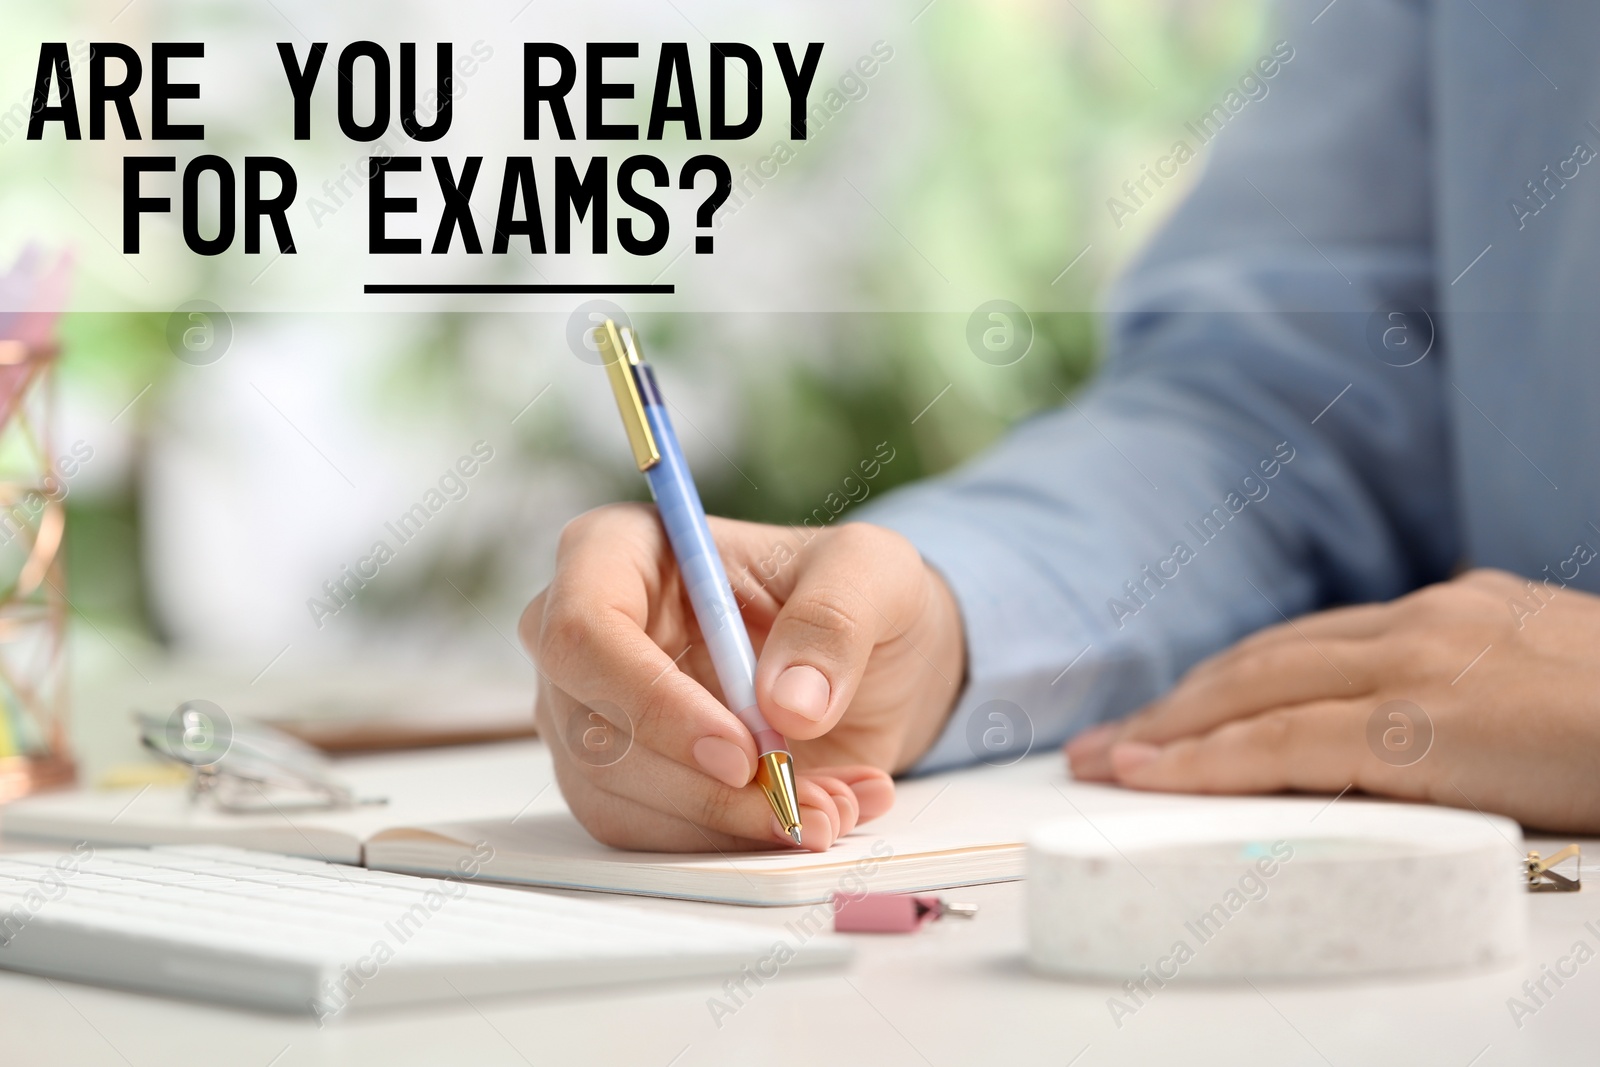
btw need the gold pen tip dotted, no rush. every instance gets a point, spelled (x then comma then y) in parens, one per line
(775, 776)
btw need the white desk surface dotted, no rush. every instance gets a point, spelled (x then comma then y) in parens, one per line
(955, 993)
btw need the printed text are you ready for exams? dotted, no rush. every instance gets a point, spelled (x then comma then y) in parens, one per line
(550, 73)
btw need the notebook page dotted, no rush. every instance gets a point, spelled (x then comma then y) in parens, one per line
(956, 829)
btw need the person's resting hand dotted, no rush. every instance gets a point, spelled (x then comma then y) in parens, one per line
(860, 658)
(1513, 697)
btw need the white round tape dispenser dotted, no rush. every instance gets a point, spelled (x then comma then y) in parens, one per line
(1264, 889)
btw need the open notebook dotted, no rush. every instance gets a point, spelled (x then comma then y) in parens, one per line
(495, 808)
(554, 851)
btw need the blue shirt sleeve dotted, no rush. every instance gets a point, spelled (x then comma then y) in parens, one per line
(1246, 455)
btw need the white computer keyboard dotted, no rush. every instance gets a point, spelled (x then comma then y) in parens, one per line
(288, 934)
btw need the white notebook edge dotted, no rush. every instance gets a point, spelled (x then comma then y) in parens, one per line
(431, 850)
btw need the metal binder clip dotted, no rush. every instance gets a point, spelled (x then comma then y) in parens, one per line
(1541, 879)
(245, 767)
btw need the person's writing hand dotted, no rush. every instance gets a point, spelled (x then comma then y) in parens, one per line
(860, 658)
(1507, 680)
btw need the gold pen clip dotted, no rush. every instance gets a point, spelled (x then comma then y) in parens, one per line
(620, 350)
(1541, 879)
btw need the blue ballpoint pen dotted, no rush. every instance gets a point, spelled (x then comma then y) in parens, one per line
(656, 451)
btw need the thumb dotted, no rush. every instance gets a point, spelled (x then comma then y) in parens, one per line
(853, 587)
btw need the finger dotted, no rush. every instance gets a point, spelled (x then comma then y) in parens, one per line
(1318, 656)
(1317, 747)
(1501, 583)
(625, 823)
(1089, 754)
(671, 714)
(586, 635)
(665, 785)
(1352, 622)
(873, 788)
(815, 796)
(851, 589)
(844, 801)
(1276, 676)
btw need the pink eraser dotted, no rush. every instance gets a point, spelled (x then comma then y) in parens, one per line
(882, 913)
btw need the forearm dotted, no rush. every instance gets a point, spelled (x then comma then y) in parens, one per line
(1104, 549)
(1087, 575)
